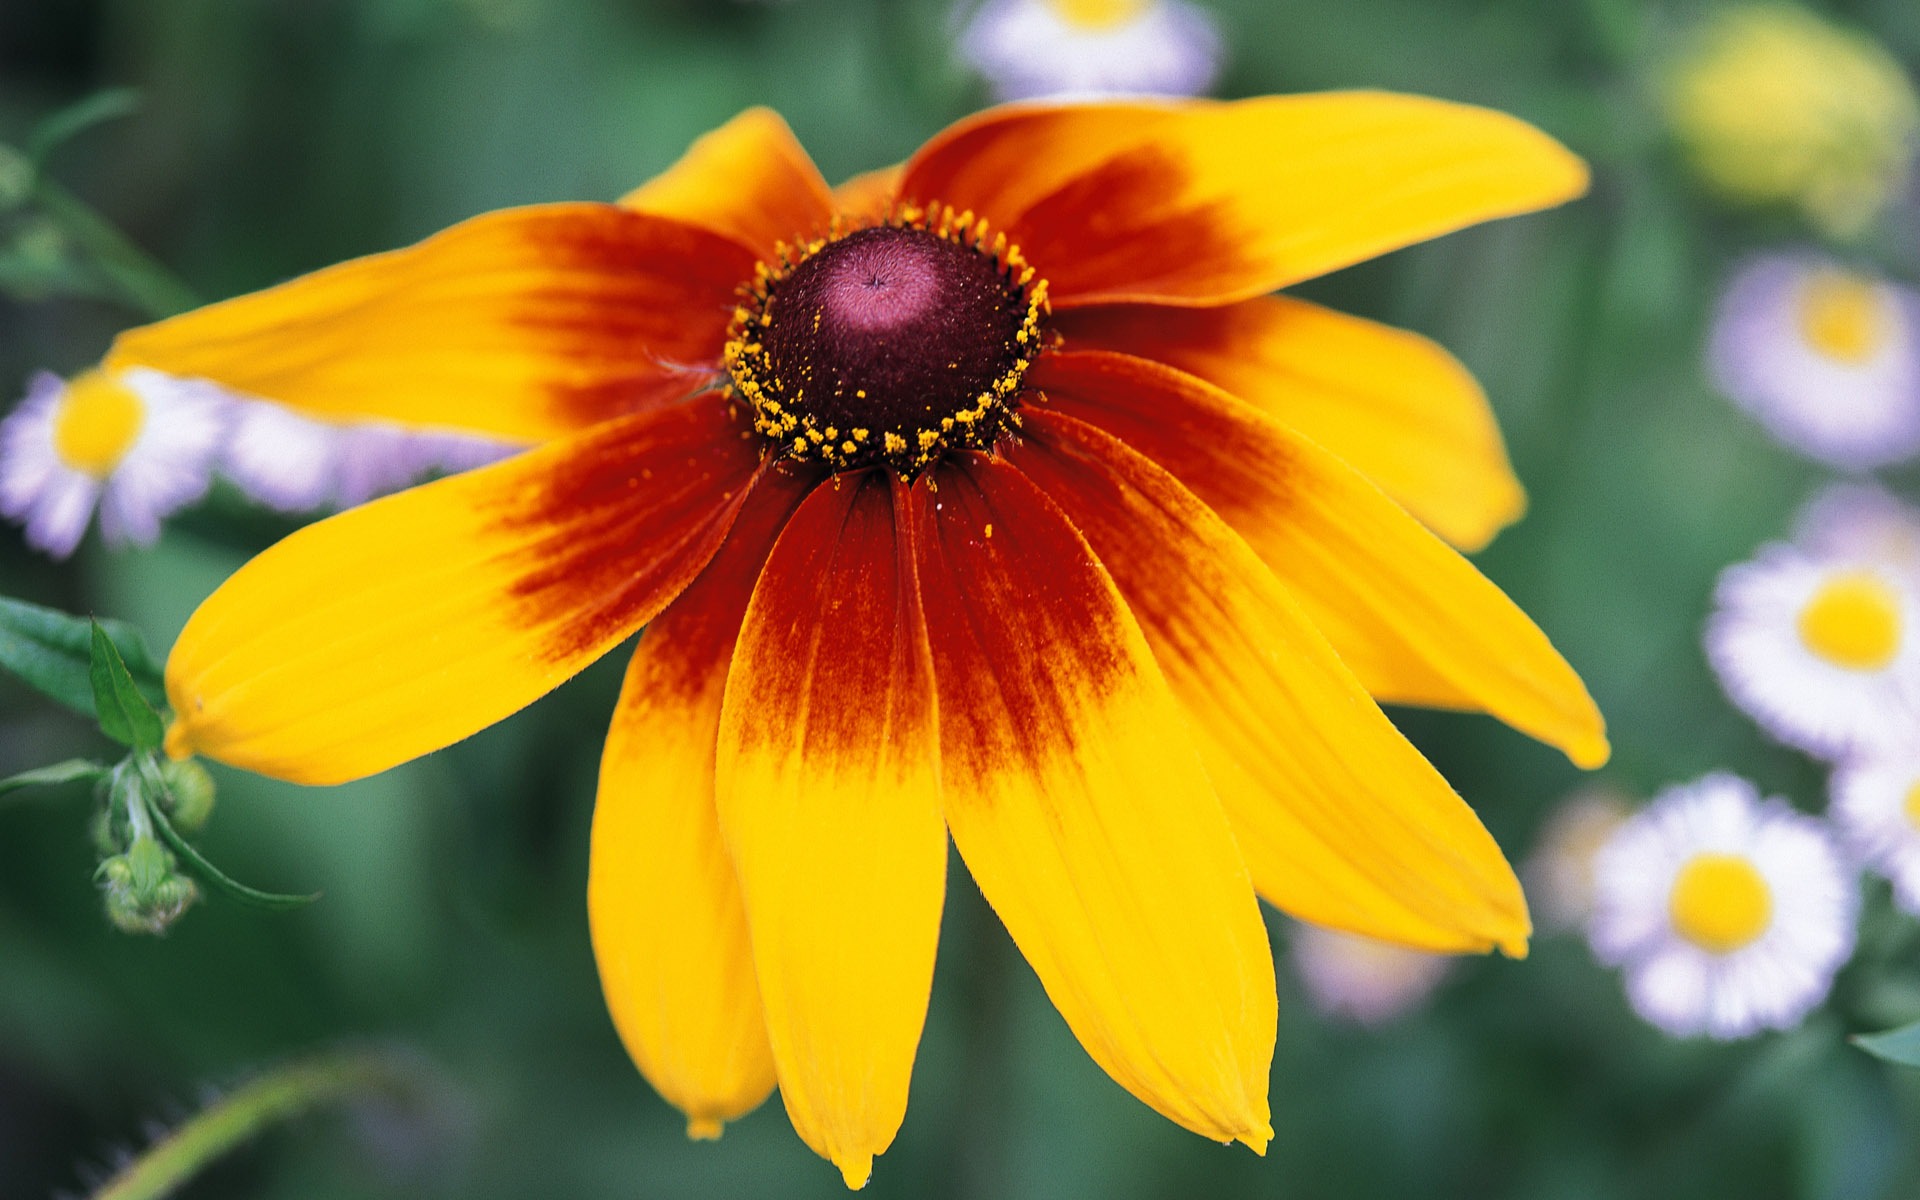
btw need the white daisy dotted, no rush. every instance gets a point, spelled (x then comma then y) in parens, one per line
(296, 464)
(1729, 914)
(1032, 48)
(1360, 979)
(1862, 522)
(1559, 872)
(136, 444)
(1826, 358)
(1876, 804)
(1823, 652)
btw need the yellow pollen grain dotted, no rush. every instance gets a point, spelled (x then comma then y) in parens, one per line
(1844, 316)
(1097, 14)
(96, 423)
(1854, 622)
(1720, 903)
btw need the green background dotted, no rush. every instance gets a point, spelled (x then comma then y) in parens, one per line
(277, 137)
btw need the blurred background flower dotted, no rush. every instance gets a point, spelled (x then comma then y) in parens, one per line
(1034, 48)
(1775, 105)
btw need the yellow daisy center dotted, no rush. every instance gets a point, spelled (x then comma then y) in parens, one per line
(1097, 14)
(1720, 903)
(1913, 805)
(1853, 621)
(1844, 316)
(892, 344)
(96, 423)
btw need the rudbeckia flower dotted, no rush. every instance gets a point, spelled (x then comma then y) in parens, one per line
(134, 444)
(1729, 914)
(1032, 48)
(991, 497)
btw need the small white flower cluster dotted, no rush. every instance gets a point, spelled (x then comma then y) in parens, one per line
(137, 446)
(1030, 49)
(1731, 914)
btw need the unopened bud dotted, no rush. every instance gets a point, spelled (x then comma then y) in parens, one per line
(142, 890)
(189, 794)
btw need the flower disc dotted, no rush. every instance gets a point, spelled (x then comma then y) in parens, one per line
(891, 344)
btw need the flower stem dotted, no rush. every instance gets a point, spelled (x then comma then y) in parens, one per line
(237, 1117)
(146, 284)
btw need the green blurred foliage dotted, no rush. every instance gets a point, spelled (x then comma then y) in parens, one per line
(274, 136)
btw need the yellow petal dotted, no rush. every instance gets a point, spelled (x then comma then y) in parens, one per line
(1082, 810)
(668, 930)
(1341, 820)
(406, 624)
(829, 794)
(748, 180)
(1409, 616)
(1397, 407)
(1203, 203)
(524, 324)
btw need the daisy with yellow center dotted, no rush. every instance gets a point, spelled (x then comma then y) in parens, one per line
(134, 444)
(990, 497)
(1876, 805)
(1861, 522)
(1729, 914)
(1361, 979)
(1822, 651)
(1033, 48)
(297, 464)
(1826, 358)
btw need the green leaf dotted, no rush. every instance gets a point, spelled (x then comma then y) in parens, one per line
(213, 876)
(67, 772)
(52, 652)
(125, 716)
(77, 118)
(1900, 1045)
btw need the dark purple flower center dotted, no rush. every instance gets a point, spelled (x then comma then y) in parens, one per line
(891, 344)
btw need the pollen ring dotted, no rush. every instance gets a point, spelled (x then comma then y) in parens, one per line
(888, 344)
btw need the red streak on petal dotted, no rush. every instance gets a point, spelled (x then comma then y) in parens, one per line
(836, 631)
(1023, 622)
(1123, 230)
(642, 306)
(631, 518)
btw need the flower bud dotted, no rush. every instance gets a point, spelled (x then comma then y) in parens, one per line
(189, 794)
(142, 889)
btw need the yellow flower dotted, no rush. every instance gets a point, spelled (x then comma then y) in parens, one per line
(1777, 107)
(991, 497)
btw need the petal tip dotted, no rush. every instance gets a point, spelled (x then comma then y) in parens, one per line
(705, 1129)
(1514, 947)
(856, 1169)
(1256, 1140)
(1590, 753)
